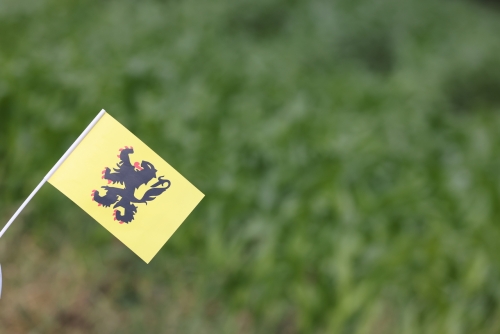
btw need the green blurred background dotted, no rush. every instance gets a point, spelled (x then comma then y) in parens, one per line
(348, 150)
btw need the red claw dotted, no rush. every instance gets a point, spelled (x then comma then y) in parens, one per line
(125, 148)
(99, 204)
(120, 222)
(109, 181)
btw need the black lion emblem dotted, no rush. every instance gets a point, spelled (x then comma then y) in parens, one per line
(132, 177)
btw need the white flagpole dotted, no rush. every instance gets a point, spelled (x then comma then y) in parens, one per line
(53, 170)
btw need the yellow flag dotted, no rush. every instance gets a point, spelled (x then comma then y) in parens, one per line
(126, 187)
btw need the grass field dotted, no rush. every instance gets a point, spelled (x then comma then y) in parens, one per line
(348, 151)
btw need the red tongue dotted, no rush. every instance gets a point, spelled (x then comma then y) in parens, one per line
(136, 165)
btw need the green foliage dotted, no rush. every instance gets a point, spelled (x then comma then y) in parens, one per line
(347, 150)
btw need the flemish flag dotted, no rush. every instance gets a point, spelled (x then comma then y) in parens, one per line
(126, 187)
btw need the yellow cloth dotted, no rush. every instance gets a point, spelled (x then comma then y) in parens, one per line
(155, 221)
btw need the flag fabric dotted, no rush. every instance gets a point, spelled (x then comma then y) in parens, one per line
(126, 187)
